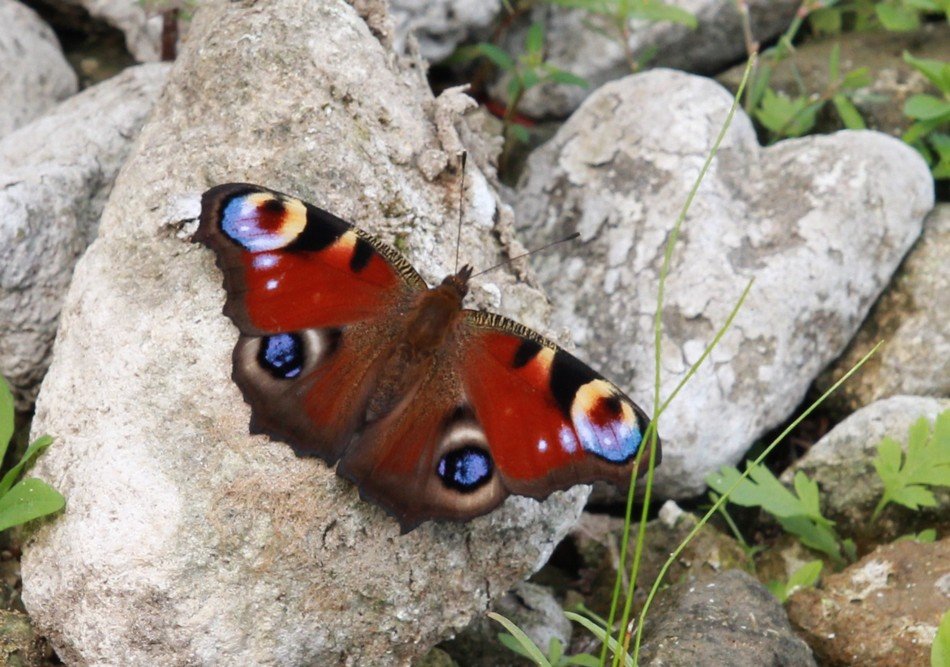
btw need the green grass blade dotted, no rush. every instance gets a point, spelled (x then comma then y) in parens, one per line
(532, 652)
(28, 500)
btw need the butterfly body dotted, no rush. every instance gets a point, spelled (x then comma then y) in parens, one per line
(432, 410)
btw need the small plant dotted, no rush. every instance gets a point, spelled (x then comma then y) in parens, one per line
(525, 71)
(930, 133)
(30, 498)
(907, 475)
(798, 513)
(785, 116)
(892, 15)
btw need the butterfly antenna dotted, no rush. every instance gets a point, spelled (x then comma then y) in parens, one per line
(458, 238)
(530, 252)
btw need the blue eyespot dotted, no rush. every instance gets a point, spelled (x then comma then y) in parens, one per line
(282, 355)
(465, 469)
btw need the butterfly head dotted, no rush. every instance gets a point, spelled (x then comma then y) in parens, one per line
(459, 281)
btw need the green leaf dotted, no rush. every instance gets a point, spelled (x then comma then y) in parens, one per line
(857, 78)
(826, 21)
(495, 54)
(937, 71)
(6, 417)
(31, 452)
(560, 76)
(519, 133)
(925, 463)
(896, 18)
(512, 644)
(555, 650)
(531, 650)
(30, 499)
(834, 61)
(805, 576)
(914, 497)
(658, 11)
(848, 113)
(785, 116)
(615, 648)
(940, 651)
(778, 589)
(813, 535)
(926, 107)
(534, 41)
(926, 536)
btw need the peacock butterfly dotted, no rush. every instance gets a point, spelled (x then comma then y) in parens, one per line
(433, 411)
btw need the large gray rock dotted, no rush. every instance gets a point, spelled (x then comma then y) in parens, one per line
(820, 224)
(912, 318)
(55, 176)
(589, 45)
(721, 619)
(842, 463)
(34, 74)
(439, 27)
(185, 540)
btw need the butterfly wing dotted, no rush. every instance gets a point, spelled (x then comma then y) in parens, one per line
(549, 419)
(500, 411)
(317, 302)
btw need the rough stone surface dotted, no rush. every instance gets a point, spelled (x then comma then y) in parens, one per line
(55, 176)
(34, 74)
(589, 46)
(883, 610)
(819, 223)
(185, 540)
(725, 618)
(529, 606)
(842, 463)
(892, 80)
(439, 27)
(913, 319)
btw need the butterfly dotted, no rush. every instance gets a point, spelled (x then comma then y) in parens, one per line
(432, 410)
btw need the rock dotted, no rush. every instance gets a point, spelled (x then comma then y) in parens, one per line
(20, 646)
(893, 81)
(529, 606)
(842, 463)
(882, 610)
(55, 175)
(819, 223)
(911, 319)
(584, 44)
(34, 75)
(185, 540)
(724, 618)
(439, 27)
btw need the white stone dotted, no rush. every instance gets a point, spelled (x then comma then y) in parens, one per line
(34, 74)
(440, 26)
(185, 540)
(55, 176)
(819, 252)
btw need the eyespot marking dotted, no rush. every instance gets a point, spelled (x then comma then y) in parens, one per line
(282, 355)
(465, 470)
(260, 221)
(605, 423)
